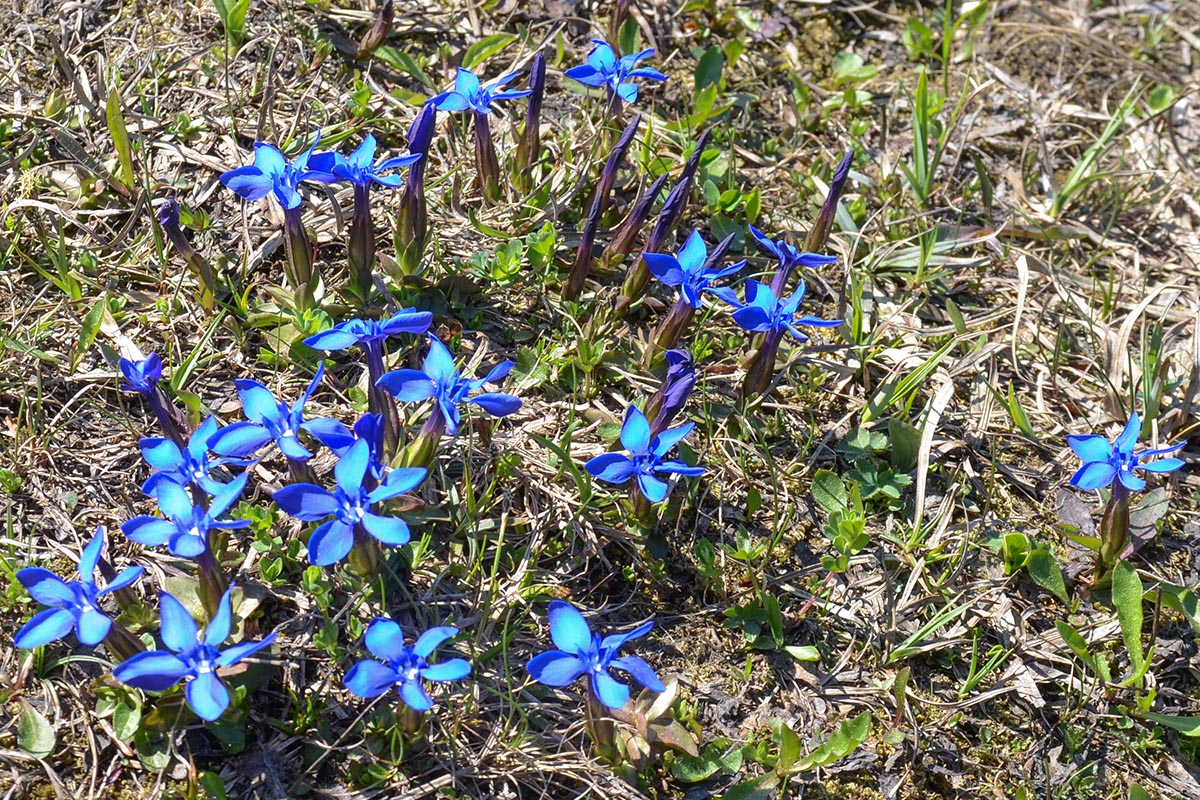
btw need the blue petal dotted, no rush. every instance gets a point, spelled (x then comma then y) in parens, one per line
(352, 467)
(161, 453)
(628, 92)
(187, 545)
(414, 696)
(173, 501)
(239, 439)
(397, 482)
(495, 374)
(218, 628)
(694, 253)
(126, 578)
(466, 82)
(332, 339)
(449, 101)
(635, 431)
(153, 671)
(498, 404)
(292, 449)
(664, 267)
(407, 321)
(92, 626)
(207, 696)
(1128, 438)
(641, 672)
(44, 627)
(1163, 465)
(431, 639)
(648, 73)
(587, 75)
(1090, 447)
(726, 294)
(654, 490)
(368, 679)
(614, 642)
(389, 530)
(150, 531)
(385, 639)
(1130, 481)
(752, 318)
(439, 364)
(306, 501)
(363, 156)
(611, 467)
(227, 495)
(90, 557)
(568, 629)
(407, 385)
(1094, 475)
(555, 668)
(258, 402)
(601, 57)
(452, 670)
(177, 627)
(610, 693)
(331, 433)
(248, 182)
(330, 543)
(679, 468)
(244, 650)
(663, 443)
(46, 587)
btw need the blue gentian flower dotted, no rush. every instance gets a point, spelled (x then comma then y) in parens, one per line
(272, 174)
(185, 529)
(787, 255)
(676, 388)
(689, 272)
(141, 376)
(1104, 461)
(350, 504)
(359, 168)
(441, 380)
(603, 68)
(339, 439)
(269, 420)
(645, 457)
(186, 465)
(190, 657)
(404, 667)
(370, 333)
(73, 605)
(764, 312)
(469, 94)
(580, 652)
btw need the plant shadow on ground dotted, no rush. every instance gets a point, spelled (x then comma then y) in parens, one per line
(1013, 268)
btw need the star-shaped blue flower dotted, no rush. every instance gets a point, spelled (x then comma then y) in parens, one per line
(1104, 461)
(272, 174)
(72, 606)
(764, 312)
(582, 653)
(188, 465)
(190, 657)
(644, 459)
(787, 255)
(338, 438)
(688, 270)
(268, 419)
(185, 529)
(360, 168)
(440, 379)
(469, 94)
(370, 333)
(350, 504)
(603, 68)
(141, 376)
(403, 667)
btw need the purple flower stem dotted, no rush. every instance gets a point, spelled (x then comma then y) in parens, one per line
(364, 555)
(300, 471)
(298, 248)
(378, 400)
(669, 332)
(622, 241)
(762, 366)
(411, 225)
(196, 262)
(361, 248)
(122, 644)
(1114, 532)
(212, 580)
(421, 450)
(487, 166)
(601, 727)
(167, 420)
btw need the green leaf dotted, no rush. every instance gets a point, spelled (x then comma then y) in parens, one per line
(487, 47)
(629, 36)
(35, 735)
(829, 491)
(849, 735)
(1136, 792)
(1127, 597)
(1077, 644)
(1045, 572)
(752, 203)
(127, 716)
(803, 652)
(88, 330)
(1019, 417)
(708, 70)
(153, 749)
(718, 755)
(789, 747)
(1188, 726)
(120, 135)
(906, 443)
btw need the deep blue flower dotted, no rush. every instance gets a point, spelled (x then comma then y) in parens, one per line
(269, 419)
(603, 68)
(580, 652)
(1104, 461)
(185, 529)
(787, 255)
(370, 333)
(360, 168)
(141, 376)
(764, 312)
(403, 667)
(73, 605)
(440, 379)
(190, 657)
(273, 174)
(469, 94)
(676, 387)
(338, 438)
(189, 464)
(688, 270)
(350, 504)
(645, 457)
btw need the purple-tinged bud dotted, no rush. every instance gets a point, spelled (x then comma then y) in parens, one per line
(622, 241)
(529, 146)
(673, 395)
(378, 33)
(142, 377)
(639, 275)
(819, 234)
(487, 164)
(412, 224)
(298, 248)
(620, 13)
(361, 244)
(608, 176)
(168, 218)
